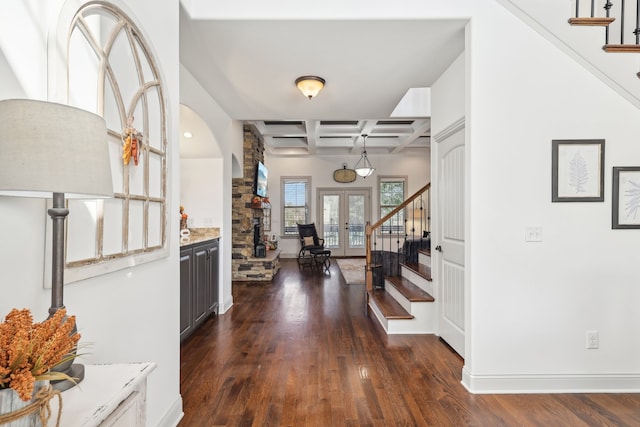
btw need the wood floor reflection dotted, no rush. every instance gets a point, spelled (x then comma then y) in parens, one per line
(301, 351)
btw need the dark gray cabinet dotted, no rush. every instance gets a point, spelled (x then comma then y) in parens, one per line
(199, 272)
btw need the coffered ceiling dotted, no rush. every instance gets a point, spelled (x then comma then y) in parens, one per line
(249, 68)
(340, 137)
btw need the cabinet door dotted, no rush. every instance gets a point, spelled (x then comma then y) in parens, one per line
(214, 262)
(186, 294)
(201, 280)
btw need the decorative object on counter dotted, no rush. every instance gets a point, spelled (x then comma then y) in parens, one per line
(273, 245)
(15, 412)
(54, 151)
(344, 175)
(131, 143)
(30, 352)
(183, 218)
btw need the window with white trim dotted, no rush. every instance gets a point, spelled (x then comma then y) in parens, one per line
(391, 193)
(295, 203)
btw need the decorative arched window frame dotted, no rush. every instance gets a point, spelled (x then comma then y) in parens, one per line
(99, 60)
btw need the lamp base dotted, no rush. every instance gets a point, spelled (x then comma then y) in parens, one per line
(75, 371)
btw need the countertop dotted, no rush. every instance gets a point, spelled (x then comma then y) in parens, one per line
(200, 235)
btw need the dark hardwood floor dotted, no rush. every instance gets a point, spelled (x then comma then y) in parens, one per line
(300, 351)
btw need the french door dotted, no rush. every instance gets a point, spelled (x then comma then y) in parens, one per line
(342, 216)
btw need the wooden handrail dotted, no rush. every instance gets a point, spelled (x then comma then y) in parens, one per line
(400, 207)
(369, 229)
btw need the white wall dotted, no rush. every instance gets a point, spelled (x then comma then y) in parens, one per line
(321, 171)
(228, 135)
(129, 315)
(448, 95)
(532, 303)
(201, 189)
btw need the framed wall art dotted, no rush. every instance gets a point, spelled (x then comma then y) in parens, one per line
(626, 197)
(577, 172)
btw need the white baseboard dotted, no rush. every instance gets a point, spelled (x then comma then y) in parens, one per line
(173, 415)
(226, 305)
(551, 383)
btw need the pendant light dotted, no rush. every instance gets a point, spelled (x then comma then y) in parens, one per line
(363, 167)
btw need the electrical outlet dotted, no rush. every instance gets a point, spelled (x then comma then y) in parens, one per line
(593, 341)
(533, 234)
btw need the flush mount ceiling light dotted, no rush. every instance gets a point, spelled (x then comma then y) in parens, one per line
(363, 167)
(310, 86)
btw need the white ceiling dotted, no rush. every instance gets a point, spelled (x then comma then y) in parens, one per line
(249, 68)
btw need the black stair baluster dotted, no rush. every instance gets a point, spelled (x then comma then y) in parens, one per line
(637, 30)
(577, 8)
(607, 7)
(593, 11)
(622, 18)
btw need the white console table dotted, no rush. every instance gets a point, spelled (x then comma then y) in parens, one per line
(109, 395)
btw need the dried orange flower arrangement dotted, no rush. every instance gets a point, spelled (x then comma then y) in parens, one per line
(29, 350)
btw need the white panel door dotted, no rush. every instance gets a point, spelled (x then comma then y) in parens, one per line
(451, 176)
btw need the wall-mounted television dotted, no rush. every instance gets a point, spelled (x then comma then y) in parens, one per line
(261, 180)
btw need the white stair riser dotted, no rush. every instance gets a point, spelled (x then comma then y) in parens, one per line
(417, 280)
(424, 259)
(402, 300)
(423, 322)
(381, 319)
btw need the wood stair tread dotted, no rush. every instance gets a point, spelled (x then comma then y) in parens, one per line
(388, 306)
(420, 269)
(409, 290)
(592, 21)
(621, 48)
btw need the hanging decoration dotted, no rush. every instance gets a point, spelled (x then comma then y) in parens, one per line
(131, 143)
(344, 175)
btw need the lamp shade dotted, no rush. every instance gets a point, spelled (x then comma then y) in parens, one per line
(48, 148)
(310, 86)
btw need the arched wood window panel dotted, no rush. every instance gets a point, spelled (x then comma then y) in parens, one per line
(111, 71)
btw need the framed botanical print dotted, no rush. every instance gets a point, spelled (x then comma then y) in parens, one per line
(577, 170)
(626, 197)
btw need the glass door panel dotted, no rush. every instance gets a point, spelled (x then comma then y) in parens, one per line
(330, 220)
(344, 214)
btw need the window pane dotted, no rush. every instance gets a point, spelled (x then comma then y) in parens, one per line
(295, 204)
(392, 195)
(295, 193)
(81, 226)
(113, 209)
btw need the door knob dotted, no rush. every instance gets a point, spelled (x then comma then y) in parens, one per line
(439, 248)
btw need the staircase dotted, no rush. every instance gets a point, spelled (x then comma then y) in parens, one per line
(587, 14)
(398, 270)
(405, 305)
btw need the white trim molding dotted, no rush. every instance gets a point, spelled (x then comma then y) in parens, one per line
(550, 383)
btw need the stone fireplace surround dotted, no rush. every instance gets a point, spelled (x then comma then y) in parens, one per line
(245, 266)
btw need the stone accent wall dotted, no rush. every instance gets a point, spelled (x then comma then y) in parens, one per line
(244, 265)
(257, 269)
